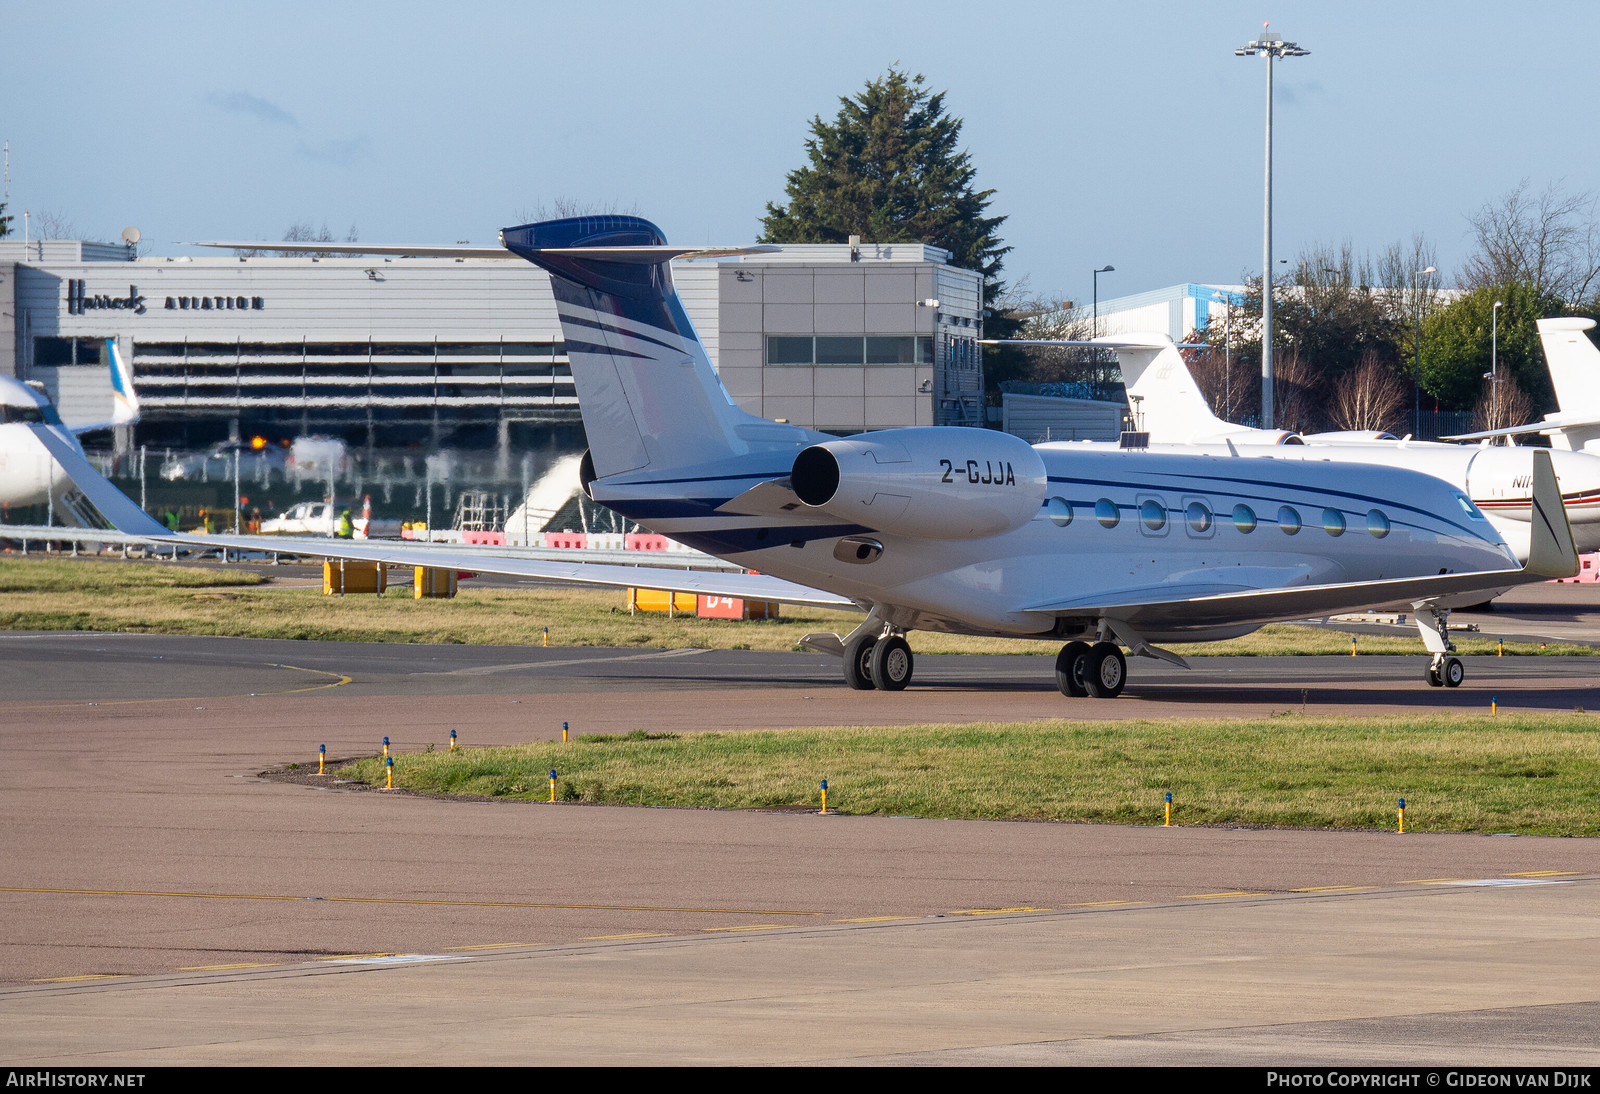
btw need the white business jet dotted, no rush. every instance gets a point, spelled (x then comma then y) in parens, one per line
(29, 475)
(1574, 365)
(963, 530)
(1172, 416)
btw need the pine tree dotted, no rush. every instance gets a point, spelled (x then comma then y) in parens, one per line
(5, 221)
(888, 169)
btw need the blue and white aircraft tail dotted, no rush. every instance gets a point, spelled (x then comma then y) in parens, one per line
(956, 529)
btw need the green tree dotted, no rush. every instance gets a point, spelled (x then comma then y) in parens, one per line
(5, 221)
(889, 170)
(1456, 344)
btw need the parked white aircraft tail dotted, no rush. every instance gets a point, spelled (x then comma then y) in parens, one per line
(1574, 365)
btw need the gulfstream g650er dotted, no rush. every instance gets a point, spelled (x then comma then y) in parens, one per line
(964, 530)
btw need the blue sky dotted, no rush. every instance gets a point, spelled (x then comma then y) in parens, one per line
(1123, 133)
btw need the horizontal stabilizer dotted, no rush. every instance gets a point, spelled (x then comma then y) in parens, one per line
(361, 250)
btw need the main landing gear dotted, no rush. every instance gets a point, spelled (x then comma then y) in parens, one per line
(871, 661)
(1444, 671)
(1099, 670)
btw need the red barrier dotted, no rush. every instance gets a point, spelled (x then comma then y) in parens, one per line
(579, 540)
(644, 541)
(487, 539)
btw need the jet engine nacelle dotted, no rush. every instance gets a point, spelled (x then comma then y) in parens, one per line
(942, 483)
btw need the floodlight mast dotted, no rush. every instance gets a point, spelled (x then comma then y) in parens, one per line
(1271, 46)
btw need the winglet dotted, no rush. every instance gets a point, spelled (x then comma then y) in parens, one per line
(1551, 551)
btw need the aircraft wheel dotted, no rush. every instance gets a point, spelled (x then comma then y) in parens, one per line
(1105, 670)
(858, 662)
(1069, 669)
(1434, 679)
(1453, 672)
(891, 663)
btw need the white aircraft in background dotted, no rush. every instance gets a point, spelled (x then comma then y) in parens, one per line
(1173, 415)
(29, 475)
(963, 530)
(1574, 365)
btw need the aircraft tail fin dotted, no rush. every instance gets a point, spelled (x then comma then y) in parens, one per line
(647, 391)
(1574, 364)
(124, 400)
(1163, 394)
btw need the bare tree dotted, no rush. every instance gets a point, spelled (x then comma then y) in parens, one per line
(1511, 407)
(50, 224)
(562, 207)
(1548, 240)
(1368, 397)
(1294, 385)
(1229, 386)
(301, 231)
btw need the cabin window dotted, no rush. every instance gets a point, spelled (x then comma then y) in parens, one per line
(1289, 520)
(1377, 524)
(1199, 517)
(1333, 522)
(1244, 518)
(1153, 514)
(1105, 511)
(1060, 510)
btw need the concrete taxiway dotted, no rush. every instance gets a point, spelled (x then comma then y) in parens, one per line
(164, 905)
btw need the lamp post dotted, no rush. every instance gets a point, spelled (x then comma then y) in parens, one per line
(1494, 365)
(1416, 376)
(1095, 320)
(1271, 46)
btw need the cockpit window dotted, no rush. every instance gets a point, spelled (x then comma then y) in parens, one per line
(28, 414)
(1471, 510)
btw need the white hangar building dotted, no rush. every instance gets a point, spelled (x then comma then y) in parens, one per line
(395, 351)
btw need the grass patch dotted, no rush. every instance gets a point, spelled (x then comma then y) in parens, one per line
(1534, 774)
(165, 598)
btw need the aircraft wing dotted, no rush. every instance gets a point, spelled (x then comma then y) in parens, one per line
(640, 255)
(127, 517)
(1552, 424)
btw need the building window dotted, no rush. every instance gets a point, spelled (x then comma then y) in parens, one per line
(788, 350)
(840, 351)
(895, 350)
(53, 352)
